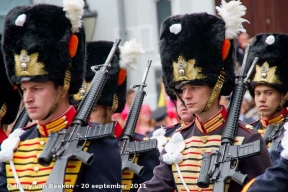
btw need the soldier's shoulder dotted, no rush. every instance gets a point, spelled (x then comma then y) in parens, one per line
(245, 128)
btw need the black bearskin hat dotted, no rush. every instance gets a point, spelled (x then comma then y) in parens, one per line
(114, 91)
(41, 42)
(9, 95)
(97, 53)
(200, 44)
(197, 48)
(271, 68)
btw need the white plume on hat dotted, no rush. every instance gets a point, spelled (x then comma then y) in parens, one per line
(74, 10)
(231, 13)
(129, 54)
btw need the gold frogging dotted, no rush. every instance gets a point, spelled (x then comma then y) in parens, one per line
(28, 65)
(185, 70)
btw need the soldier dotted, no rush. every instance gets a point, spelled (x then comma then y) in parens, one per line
(275, 178)
(9, 99)
(113, 99)
(44, 52)
(198, 58)
(268, 86)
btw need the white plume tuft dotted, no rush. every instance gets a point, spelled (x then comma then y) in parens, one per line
(270, 40)
(130, 53)
(20, 20)
(74, 10)
(231, 13)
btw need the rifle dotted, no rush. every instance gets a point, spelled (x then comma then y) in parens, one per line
(222, 164)
(21, 120)
(128, 147)
(69, 143)
(274, 135)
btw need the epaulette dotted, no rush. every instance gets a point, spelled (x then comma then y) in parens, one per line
(245, 126)
(28, 127)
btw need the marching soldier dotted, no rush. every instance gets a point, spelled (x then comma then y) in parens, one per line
(113, 99)
(268, 86)
(44, 52)
(9, 99)
(198, 58)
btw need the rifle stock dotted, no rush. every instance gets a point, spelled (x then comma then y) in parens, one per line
(222, 164)
(129, 147)
(70, 142)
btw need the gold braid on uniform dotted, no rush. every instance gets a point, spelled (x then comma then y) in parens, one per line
(216, 90)
(113, 109)
(65, 88)
(3, 110)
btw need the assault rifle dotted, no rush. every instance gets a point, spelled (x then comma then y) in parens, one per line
(69, 143)
(222, 164)
(22, 120)
(128, 147)
(274, 135)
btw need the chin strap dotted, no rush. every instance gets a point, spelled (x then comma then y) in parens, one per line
(216, 90)
(113, 109)
(64, 90)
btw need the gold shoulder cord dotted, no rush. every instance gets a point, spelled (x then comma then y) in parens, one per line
(3, 110)
(113, 109)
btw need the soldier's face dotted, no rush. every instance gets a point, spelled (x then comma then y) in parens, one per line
(183, 112)
(267, 99)
(195, 97)
(39, 98)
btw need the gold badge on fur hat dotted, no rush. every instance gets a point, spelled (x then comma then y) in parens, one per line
(266, 74)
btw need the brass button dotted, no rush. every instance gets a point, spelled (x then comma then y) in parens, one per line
(36, 169)
(204, 140)
(203, 151)
(38, 155)
(42, 143)
(34, 182)
(199, 189)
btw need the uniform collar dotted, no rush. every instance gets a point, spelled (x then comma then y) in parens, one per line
(61, 122)
(278, 119)
(213, 123)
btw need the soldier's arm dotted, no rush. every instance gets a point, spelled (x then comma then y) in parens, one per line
(162, 181)
(274, 179)
(255, 165)
(104, 170)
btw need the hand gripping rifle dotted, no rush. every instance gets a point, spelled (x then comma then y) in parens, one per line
(69, 143)
(128, 147)
(222, 164)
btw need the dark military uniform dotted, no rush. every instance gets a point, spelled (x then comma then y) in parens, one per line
(274, 179)
(149, 160)
(78, 175)
(200, 138)
(261, 126)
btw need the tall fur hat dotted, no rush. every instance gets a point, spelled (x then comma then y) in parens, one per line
(271, 69)
(41, 42)
(9, 95)
(197, 48)
(114, 91)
